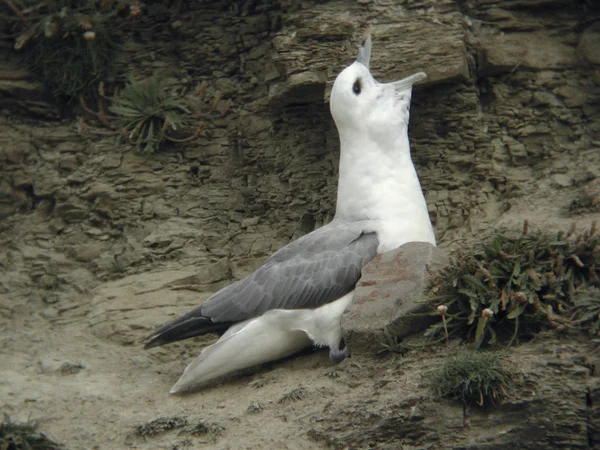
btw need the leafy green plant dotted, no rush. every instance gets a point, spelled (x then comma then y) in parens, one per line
(68, 43)
(145, 112)
(390, 343)
(474, 377)
(24, 436)
(514, 286)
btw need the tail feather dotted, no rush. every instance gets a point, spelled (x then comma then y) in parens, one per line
(184, 327)
(247, 344)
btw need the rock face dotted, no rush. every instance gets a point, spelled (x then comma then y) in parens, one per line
(505, 129)
(510, 103)
(120, 309)
(388, 294)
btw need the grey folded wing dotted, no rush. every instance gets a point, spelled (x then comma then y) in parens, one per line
(314, 270)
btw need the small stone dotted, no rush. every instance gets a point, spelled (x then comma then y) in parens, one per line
(416, 414)
(517, 150)
(227, 86)
(93, 231)
(49, 313)
(254, 408)
(68, 368)
(68, 162)
(56, 225)
(35, 296)
(44, 206)
(546, 98)
(562, 180)
(21, 180)
(50, 298)
(572, 96)
(250, 222)
(589, 43)
(111, 161)
(48, 281)
(71, 213)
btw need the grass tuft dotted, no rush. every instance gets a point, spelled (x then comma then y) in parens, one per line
(474, 377)
(24, 436)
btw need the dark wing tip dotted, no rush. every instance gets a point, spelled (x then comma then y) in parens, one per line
(184, 327)
(152, 341)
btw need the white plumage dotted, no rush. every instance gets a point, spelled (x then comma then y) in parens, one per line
(296, 299)
(378, 181)
(274, 335)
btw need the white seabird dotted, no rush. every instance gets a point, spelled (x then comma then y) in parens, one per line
(296, 299)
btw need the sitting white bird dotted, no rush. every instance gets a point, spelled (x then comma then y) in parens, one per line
(296, 299)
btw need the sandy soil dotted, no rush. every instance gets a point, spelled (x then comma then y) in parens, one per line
(90, 387)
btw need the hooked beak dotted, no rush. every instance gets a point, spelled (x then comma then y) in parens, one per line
(364, 57)
(364, 52)
(408, 82)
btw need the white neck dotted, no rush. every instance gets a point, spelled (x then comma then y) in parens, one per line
(381, 186)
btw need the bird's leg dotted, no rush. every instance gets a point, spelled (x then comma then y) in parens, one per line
(339, 352)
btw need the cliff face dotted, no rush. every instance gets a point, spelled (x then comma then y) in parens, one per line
(505, 129)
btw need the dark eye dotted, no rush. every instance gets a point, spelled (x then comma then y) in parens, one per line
(356, 86)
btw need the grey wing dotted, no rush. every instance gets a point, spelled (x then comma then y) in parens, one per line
(311, 271)
(316, 269)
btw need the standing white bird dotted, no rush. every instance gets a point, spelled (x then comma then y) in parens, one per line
(296, 299)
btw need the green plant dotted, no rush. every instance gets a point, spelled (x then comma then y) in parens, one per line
(145, 112)
(69, 44)
(24, 436)
(514, 285)
(390, 343)
(474, 377)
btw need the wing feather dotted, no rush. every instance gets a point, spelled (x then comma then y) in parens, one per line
(314, 270)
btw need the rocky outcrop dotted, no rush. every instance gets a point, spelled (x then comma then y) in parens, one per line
(510, 110)
(389, 298)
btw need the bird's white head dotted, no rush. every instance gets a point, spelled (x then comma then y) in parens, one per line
(378, 182)
(359, 104)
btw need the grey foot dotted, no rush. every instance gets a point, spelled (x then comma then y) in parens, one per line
(337, 355)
